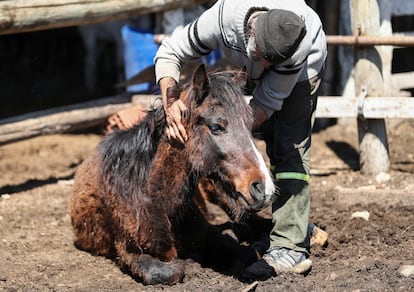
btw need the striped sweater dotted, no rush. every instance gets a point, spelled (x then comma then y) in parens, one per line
(224, 26)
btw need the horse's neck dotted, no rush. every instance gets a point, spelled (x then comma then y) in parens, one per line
(170, 176)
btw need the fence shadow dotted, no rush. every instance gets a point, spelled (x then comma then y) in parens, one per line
(32, 184)
(346, 152)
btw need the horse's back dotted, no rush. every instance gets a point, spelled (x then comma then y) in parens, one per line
(100, 206)
(90, 223)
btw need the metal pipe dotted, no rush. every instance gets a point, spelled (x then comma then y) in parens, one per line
(349, 40)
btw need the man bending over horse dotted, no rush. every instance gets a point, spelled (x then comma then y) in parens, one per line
(282, 46)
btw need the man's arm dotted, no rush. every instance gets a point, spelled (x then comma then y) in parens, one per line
(185, 44)
(259, 114)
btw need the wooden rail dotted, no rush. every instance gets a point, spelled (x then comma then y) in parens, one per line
(61, 119)
(349, 40)
(18, 16)
(368, 108)
(95, 113)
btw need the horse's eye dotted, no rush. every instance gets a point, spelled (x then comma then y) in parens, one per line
(217, 128)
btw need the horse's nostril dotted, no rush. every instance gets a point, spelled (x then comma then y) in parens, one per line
(257, 190)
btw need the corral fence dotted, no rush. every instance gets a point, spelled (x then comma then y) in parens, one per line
(371, 39)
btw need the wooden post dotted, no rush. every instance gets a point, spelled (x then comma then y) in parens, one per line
(374, 153)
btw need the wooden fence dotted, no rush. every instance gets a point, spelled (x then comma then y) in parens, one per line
(368, 105)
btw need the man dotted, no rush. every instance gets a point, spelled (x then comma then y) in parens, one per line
(283, 48)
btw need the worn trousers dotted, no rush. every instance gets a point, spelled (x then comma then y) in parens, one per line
(288, 145)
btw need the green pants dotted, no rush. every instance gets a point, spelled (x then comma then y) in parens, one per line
(288, 144)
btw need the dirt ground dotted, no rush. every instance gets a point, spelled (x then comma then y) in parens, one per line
(36, 242)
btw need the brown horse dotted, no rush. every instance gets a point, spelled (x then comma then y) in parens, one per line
(132, 199)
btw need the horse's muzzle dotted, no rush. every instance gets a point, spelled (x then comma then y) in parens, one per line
(260, 199)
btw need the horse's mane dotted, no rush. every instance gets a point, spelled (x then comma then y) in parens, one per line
(126, 156)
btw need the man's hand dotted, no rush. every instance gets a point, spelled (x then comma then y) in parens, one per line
(175, 128)
(174, 110)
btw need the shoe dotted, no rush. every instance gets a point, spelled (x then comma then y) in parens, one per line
(317, 236)
(285, 260)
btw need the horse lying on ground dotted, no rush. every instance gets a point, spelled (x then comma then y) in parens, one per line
(132, 198)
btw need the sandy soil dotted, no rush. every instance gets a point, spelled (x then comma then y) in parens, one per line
(36, 242)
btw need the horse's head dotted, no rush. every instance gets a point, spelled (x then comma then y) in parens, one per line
(221, 145)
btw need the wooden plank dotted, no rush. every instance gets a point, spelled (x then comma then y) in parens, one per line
(62, 119)
(336, 107)
(373, 107)
(339, 107)
(348, 40)
(392, 107)
(70, 118)
(30, 15)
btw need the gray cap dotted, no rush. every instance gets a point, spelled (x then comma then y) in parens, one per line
(278, 34)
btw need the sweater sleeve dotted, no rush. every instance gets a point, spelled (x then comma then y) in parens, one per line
(194, 41)
(274, 86)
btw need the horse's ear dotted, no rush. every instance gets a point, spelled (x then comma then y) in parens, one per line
(240, 77)
(201, 83)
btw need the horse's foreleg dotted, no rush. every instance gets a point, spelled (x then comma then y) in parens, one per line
(155, 235)
(149, 269)
(147, 230)
(224, 250)
(207, 242)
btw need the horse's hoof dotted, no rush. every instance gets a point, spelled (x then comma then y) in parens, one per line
(153, 271)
